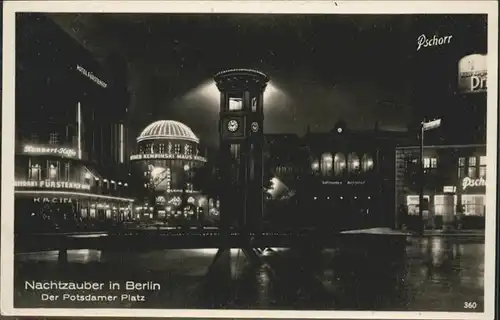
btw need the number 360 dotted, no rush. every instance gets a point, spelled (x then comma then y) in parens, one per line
(470, 305)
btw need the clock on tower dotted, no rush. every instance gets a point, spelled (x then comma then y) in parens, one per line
(241, 143)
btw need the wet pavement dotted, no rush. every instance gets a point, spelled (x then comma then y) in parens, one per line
(434, 274)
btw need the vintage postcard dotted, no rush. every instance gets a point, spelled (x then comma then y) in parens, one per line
(282, 159)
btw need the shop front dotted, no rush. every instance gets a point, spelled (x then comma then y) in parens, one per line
(454, 190)
(40, 211)
(178, 208)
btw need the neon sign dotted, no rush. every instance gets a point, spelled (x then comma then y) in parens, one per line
(473, 74)
(52, 200)
(165, 156)
(63, 152)
(468, 182)
(91, 76)
(51, 185)
(348, 182)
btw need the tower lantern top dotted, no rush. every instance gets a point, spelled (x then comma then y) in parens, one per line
(241, 80)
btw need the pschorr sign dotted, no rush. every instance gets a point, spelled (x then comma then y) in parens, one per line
(51, 185)
(39, 150)
(472, 73)
(468, 182)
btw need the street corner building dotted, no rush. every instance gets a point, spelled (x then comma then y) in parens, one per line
(71, 171)
(167, 157)
(449, 167)
(454, 185)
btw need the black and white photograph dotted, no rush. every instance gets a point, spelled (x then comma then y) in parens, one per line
(249, 159)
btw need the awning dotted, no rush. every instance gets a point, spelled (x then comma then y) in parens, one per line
(94, 173)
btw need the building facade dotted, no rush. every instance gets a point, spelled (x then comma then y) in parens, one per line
(454, 183)
(168, 155)
(350, 175)
(70, 165)
(73, 98)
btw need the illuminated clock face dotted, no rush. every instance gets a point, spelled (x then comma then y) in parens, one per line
(254, 127)
(232, 125)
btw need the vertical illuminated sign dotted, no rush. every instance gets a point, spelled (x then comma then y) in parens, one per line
(122, 144)
(79, 125)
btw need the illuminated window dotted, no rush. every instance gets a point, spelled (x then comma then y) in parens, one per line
(461, 167)
(177, 148)
(473, 204)
(366, 163)
(472, 172)
(352, 162)
(461, 172)
(66, 176)
(413, 203)
(442, 204)
(430, 162)
(427, 162)
(482, 166)
(482, 160)
(188, 149)
(53, 138)
(482, 171)
(235, 102)
(434, 162)
(161, 148)
(327, 164)
(35, 172)
(53, 170)
(339, 163)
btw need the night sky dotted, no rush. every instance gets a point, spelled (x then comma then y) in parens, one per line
(323, 68)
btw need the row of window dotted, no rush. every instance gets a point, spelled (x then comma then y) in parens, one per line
(169, 148)
(467, 167)
(54, 138)
(52, 171)
(470, 168)
(473, 205)
(65, 172)
(336, 165)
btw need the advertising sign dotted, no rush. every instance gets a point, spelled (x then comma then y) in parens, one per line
(43, 150)
(473, 183)
(165, 156)
(51, 185)
(472, 73)
(53, 200)
(91, 76)
(346, 182)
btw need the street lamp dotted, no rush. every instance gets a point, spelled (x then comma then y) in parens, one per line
(424, 126)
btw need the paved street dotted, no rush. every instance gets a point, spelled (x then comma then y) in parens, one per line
(437, 274)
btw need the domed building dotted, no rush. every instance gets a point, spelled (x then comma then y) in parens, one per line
(167, 156)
